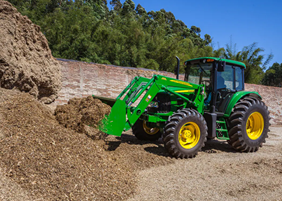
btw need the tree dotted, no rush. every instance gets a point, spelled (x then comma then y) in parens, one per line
(140, 10)
(253, 59)
(128, 7)
(273, 76)
(116, 4)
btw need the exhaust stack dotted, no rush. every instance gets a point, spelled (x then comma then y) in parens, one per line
(177, 68)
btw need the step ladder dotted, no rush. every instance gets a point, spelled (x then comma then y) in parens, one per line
(221, 129)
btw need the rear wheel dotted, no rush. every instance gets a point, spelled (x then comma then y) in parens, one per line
(185, 133)
(143, 131)
(248, 124)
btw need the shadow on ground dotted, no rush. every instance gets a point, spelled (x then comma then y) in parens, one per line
(215, 146)
(157, 147)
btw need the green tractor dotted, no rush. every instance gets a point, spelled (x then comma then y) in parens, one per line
(209, 103)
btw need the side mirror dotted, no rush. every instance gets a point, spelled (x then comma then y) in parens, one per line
(221, 66)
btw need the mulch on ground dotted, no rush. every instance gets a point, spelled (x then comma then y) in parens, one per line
(52, 162)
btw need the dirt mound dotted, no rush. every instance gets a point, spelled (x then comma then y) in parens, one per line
(52, 162)
(26, 62)
(83, 115)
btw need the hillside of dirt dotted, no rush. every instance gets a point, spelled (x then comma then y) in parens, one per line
(26, 62)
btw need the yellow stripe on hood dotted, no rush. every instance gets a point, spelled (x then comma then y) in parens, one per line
(184, 91)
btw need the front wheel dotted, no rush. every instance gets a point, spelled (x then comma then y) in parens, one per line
(185, 133)
(143, 131)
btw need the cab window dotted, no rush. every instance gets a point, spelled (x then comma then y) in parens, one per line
(225, 79)
(239, 78)
(199, 73)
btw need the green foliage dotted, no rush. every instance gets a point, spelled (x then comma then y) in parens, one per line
(128, 35)
(116, 4)
(253, 59)
(273, 76)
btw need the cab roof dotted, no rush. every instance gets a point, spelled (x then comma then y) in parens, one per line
(237, 63)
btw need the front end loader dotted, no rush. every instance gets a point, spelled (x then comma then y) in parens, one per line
(210, 102)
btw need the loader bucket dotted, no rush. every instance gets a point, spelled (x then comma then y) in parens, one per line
(108, 101)
(115, 122)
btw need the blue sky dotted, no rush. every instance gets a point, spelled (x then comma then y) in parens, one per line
(245, 21)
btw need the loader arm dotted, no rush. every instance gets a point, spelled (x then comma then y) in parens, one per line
(123, 116)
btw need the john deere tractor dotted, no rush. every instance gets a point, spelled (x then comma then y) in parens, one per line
(209, 103)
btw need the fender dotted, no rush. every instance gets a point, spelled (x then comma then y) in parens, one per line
(236, 97)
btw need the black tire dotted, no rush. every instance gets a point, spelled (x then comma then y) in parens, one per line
(140, 133)
(239, 121)
(172, 135)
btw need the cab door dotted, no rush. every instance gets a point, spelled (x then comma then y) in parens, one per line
(228, 83)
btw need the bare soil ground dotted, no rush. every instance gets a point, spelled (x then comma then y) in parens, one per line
(217, 173)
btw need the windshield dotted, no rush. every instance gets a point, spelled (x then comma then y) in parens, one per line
(199, 73)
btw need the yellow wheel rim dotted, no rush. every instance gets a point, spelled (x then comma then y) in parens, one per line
(255, 125)
(189, 135)
(148, 130)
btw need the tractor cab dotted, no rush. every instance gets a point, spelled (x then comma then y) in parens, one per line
(221, 79)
